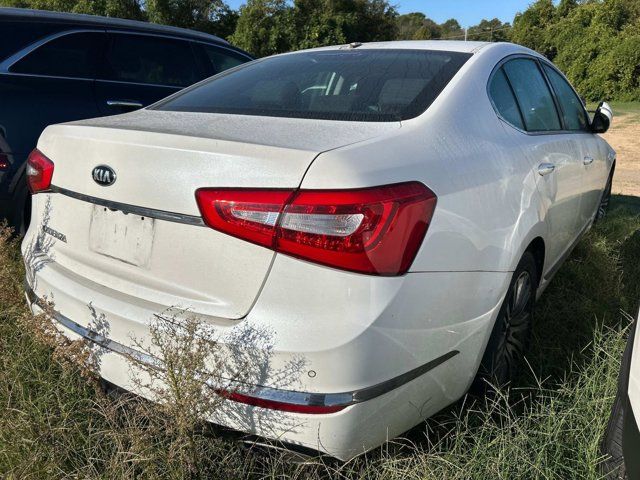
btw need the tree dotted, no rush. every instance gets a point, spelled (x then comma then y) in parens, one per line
(531, 27)
(262, 27)
(327, 22)
(451, 29)
(131, 9)
(211, 16)
(428, 30)
(407, 25)
(489, 31)
(273, 26)
(566, 7)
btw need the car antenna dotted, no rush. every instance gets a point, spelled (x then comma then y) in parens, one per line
(353, 45)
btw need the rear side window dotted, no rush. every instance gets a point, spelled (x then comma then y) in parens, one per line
(353, 85)
(504, 101)
(18, 34)
(150, 59)
(573, 112)
(222, 59)
(533, 95)
(72, 55)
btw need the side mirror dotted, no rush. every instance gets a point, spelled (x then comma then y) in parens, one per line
(602, 118)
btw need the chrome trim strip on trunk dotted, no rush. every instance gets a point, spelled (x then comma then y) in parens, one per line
(126, 208)
(344, 399)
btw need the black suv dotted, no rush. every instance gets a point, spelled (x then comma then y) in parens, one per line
(58, 67)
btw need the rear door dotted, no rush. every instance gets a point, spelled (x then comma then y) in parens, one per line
(554, 155)
(140, 69)
(576, 121)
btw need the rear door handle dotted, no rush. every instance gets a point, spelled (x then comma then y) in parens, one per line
(546, 168)
(587, 160)
(124, 103)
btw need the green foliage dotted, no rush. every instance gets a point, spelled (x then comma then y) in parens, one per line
(417, 26)
(262, 27)
(211, 16)
(489, 31)
(274, 26)
(131, 9)
(596, 43)
(530, 28)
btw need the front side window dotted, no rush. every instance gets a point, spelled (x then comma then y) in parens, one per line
(150, 59)
(573, 112)
(73, 55)
(534, 97)
(356, 85)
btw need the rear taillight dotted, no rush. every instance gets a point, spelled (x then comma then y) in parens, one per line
(281, 405)
(376, 230)
(39, 172)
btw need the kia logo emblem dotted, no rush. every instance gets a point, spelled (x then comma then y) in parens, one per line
(104, 175)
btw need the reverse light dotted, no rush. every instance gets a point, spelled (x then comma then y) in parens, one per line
(39, 172)
(376, 231)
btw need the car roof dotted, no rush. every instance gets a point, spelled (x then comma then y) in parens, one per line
(441, 45)
(98, 21)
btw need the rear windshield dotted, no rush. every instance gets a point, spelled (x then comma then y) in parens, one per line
(357, 85)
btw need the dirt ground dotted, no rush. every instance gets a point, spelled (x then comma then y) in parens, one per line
(624, 137)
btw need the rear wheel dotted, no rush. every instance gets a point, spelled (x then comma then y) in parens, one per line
(512, 330)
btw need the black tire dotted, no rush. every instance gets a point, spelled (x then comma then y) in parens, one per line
(605, 200)
(511, 333)
(613, 467)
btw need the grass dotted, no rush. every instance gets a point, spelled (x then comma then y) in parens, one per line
(55, 424)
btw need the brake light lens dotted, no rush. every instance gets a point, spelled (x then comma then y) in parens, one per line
(281, 406)
(39, 172)
(376, 231)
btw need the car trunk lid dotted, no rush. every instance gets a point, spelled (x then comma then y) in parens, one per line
(142, 236)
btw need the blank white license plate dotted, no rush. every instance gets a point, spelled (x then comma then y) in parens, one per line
(123, 236)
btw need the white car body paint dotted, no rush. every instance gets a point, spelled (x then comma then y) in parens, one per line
(353, 330)
(634, 375)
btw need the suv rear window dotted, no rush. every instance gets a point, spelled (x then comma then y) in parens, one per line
(357, 85)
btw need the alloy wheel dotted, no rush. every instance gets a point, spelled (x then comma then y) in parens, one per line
(514, 327)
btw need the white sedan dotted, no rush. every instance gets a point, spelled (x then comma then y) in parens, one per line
(389, 212)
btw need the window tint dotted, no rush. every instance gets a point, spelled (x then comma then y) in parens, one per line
(363, 85)
(504, 101)
(74, 55)
(573, 112)
(533, 95)
(222, 59)
(150, 59)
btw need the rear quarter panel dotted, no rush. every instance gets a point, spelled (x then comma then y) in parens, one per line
(488, 206)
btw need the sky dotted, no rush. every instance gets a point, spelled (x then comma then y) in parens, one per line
(467, 12)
